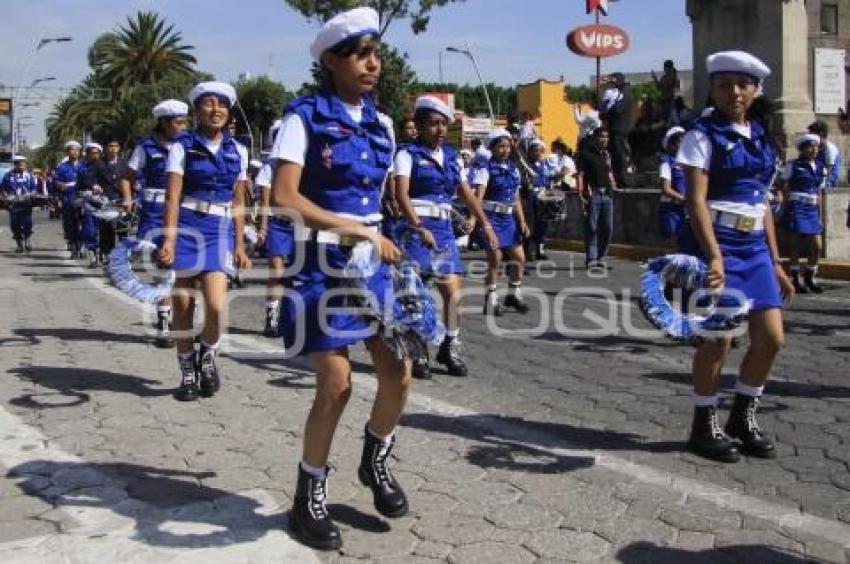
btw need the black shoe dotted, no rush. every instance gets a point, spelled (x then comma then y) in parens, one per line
(708, 439)
(374, 473)
(450, 355)
(809, 281)
(20, 246)
(309, 519)
(163, 331)
(272, 319)
(516, 302)
(208, 372)
(742, 425)
(27, 245)
(492, 305)
(422, 367)
(188, 390)
(540, 254)
(795, 280)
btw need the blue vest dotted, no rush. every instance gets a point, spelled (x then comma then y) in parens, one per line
(19, 183)
(66, 172)
(543, 175)
(504, 182)
(804, 179)
(347, 162)
(740, 168)
(677, 173)
(430, 181)
(153, 174)
(210, 177)
(835, 174)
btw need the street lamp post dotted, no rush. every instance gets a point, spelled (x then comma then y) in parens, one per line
(42, 79)
(471, 57)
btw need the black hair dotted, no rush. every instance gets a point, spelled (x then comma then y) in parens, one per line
(421, 115)
(346, 48)
(820, 128)
(598, 131)
(475, 143)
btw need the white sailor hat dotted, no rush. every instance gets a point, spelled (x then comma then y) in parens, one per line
(216, 88)
(72, 145)
(344, 26)
(673, 131)
(254, 163)
(17, 158)
(170, 109)
(739, 62)
(806, 138)
(497, 134)
(537, 142)
(433, 104)
(93, 145)
(466, 153)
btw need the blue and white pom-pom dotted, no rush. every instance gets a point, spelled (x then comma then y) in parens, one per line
(122, 276)
(723, 311)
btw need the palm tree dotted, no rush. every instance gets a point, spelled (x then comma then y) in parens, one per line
(143, 51)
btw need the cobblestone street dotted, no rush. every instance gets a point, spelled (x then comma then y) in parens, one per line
(559, 447)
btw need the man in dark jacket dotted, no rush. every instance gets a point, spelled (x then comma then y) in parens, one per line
(618, 115)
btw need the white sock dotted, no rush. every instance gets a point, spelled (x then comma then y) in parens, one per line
(315, 471)
(210, 346)
(452, 334)
(515, 289)
(272, 304)
(813, 268)
(705, 401)
(386, 440)
(752, 391)
(163, 309)
(185, 355)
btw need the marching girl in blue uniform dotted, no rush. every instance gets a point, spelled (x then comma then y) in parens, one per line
(18, 185)
(148, 162)
(728, 163)
(332, 158)
(543, 179)
(804, 179)
(92, 181)
(393, 220)
(497, 185)
(204, 231)
(65, 180)
(428, 176)
(671, 177)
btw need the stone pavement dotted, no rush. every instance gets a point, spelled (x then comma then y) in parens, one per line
(560, 447)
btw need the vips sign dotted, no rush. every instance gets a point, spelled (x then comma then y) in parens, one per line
(599, 40)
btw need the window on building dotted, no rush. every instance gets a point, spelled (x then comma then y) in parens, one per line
(829, 18)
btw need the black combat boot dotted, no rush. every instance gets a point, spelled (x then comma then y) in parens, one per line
(491, 303)
(421, 369)
(272, 320)
(389, 498)
(451, 355)
(707, 438)
(514, 300)
(20, 245)
(208, 372)
(795, 280)
(541, 255)
(309, 519)
(27, 244)
(188, 390)
(742, 425)
(809, 281)
(163, 331)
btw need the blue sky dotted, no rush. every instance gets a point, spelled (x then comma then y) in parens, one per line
(515, 41)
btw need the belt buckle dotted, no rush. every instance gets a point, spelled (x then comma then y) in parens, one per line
(347, 240)
(202, 206)
(745, 223)
(504, 208)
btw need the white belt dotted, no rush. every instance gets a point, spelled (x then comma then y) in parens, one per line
(433, 210)
(67, 185)
(803, 197)
(203, 206)
(153, 195)
(739, 221)
(326, 237)
(496, 207)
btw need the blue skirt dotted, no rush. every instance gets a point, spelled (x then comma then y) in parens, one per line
(670, 219)
(316, 314)
(447, 255)
(281, 239)
(151, 220)
(391, 228)
(506, 230)
(803, 218)
(205, 243)
(747, 264)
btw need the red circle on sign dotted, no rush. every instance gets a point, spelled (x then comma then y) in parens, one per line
(598, 40)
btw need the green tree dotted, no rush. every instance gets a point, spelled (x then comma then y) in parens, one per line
(142, 51)
(417, 10)
(262, 99)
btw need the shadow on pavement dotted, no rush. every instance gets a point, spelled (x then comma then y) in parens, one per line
(158, 499)
(79, 334)
(648, 553)
(513, 443)
(773, 388)
(77, 382)
(356, 519)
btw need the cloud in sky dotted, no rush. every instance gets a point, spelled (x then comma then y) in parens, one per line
(514, 41)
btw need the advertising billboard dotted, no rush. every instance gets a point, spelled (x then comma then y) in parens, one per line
(6, 125)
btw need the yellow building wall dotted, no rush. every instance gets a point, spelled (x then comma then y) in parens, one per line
(553, 115)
